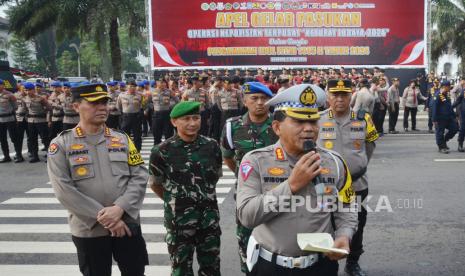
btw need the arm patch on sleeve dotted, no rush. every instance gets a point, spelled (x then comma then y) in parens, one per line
(371, 133)
(134, 157)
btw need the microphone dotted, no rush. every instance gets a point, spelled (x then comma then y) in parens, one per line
(320, 186)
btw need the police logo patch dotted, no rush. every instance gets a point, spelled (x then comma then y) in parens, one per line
(81, 171)
(52, 149)
(328, 124)
(276, 171)
(329, 145)
(308, 96)
(246, 169)
(77, 146)
(356, 124)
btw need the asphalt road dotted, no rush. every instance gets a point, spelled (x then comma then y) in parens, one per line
(422, 235)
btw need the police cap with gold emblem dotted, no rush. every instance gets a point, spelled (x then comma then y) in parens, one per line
(300, 101)
(91, 92)
(339, 86)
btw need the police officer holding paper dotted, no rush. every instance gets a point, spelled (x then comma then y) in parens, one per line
(100, 178)
(274, 179)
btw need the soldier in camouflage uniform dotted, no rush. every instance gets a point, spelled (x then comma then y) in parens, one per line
(184, 170)
(243, 134)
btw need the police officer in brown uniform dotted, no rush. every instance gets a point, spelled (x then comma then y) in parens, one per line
(21, 121)
(55, 119)
(353, 136)
(230, 101)
(8, 124)
(130, 105)
(114, 115)
(273, 177)
(198, 94)
(71, 117)
(160, 102)
(36, 108)
(99, 177)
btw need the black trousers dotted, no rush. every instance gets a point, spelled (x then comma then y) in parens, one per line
(204, 125)
(9, 127)
(95, 255)
(147, 122)
(430, 118)
(379, 114)
(413, 112)
(161, 126)
(36, 130)
(55, 129)
(131, 123)
(21, 128)
(215, 126)
(356, 245)
(393, 115)
(324, 267)
(113, 121)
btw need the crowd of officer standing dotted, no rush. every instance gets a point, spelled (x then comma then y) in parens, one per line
(199, 120)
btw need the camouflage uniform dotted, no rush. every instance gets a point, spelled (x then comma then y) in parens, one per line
(189, 173)
(244, 136)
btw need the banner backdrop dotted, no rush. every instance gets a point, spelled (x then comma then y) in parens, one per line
(195, 33)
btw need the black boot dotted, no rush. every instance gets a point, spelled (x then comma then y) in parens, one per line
(34, 159)
(18, 158)
(6, 159)
(460, 149)
(353, 269)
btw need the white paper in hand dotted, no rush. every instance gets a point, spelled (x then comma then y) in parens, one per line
(318, 242)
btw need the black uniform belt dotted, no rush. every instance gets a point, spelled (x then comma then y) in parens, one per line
(71, 115)
(6, 115)
(58, 116)
(36, 116)
(356, 176)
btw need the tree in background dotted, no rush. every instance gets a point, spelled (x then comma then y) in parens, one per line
(449, 18)
(67, 64)
(100, 19)
(22, 53)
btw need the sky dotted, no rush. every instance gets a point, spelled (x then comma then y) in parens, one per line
(2, 11)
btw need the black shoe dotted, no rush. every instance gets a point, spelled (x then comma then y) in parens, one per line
(29, 155)
(19, 159)
(444, 150)
(34, 159)
(5, 159)
(415, 129)
(406, 129)
(446, 147)
(353, 269)
(430, 131)
(460, 149)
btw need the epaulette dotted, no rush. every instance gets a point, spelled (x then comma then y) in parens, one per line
(64, 132)
(324, 112)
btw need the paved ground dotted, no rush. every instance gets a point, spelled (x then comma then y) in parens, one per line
(423, 235)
